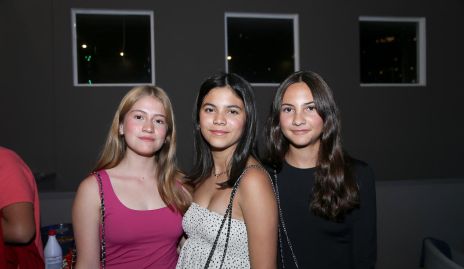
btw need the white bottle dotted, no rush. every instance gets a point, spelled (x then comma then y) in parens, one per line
(52, 253)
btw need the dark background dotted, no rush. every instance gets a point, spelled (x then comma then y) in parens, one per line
(403, 132)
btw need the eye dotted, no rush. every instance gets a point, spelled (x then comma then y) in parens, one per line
(138, 117)
(311, 108)
(208, 109)
(234, 112)
(160, 121)
(287, 109)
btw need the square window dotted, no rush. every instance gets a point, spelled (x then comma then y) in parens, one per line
(392, 51)
(263, 48)
(112, 47)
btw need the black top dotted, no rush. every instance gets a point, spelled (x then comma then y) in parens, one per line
(319, 243)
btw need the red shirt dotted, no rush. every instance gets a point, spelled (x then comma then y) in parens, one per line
(17, 184)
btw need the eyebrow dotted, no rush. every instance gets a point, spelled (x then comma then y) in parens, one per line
(305, 104)
(141, 111)
(229, 106)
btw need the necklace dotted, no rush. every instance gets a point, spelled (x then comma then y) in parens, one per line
(219, 174)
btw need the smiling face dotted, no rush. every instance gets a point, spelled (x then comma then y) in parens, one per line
(222, 118)
(144, 126)
(299, 120)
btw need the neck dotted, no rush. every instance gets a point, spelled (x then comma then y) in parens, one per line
(136, 165)
(305, 157)
(221, 159)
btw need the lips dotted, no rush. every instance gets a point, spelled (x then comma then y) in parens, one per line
(146, 138)
(218, 132)
(300, 132)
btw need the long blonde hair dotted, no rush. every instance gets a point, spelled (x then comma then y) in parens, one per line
(115, 147)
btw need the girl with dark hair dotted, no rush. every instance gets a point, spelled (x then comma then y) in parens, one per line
(128, 213)
(232, 221)
(327, 199)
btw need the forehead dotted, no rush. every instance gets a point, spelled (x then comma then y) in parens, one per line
(299, 91)
(149, 104)
(222, 96)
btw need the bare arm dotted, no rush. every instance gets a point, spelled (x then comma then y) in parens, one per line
(86, 224)
(258, 204)
(18, 223)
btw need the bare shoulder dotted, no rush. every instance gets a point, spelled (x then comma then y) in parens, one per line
(255, 180)
(89, 184)
(88, 190)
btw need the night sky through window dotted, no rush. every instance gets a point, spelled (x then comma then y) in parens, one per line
(113, 48)
(388, 52)
(261, 49)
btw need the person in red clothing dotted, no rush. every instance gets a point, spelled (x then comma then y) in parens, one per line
(20, 214)
(2, 247)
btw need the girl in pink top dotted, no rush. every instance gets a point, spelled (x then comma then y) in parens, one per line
(143, 199)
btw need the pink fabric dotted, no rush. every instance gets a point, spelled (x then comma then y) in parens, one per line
(139, 238)
(17, 184)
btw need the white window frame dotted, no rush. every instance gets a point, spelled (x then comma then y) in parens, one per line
(421, 49)
(75, 11)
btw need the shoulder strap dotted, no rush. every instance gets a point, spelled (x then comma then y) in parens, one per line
(102, 216)
(228, 217)
(282, 226)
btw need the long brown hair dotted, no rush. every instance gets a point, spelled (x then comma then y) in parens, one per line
(335, 191)
(115, 147)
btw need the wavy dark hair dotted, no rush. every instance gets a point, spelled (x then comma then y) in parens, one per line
(335, 191)
(203, 160)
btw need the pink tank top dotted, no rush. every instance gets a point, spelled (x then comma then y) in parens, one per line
(139, 238)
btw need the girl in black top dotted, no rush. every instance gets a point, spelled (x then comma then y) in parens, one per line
(327, 199)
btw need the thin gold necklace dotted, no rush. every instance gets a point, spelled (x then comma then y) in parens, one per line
(219, 174)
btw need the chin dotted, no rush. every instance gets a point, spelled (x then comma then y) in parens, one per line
(218, 147)
(221, 146)
(218, 143)
(303, 144)
(300, 142)
(147, 154)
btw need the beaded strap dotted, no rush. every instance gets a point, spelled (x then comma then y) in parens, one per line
(282, 225)
(228, 217)
(102, 215)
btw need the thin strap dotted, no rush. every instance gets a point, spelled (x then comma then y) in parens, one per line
(282, 225)
(102, 216)
(228, 217)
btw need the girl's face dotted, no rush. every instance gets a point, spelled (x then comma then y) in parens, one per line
(299, 121)
(222, 118)
(144, 126)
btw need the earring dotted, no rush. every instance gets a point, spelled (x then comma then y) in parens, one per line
(121, 131)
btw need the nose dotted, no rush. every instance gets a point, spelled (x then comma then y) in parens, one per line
(148, 126)
(298, 119)
(219, 119)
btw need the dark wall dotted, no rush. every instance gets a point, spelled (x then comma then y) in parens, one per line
(410, 210)
(404, 132)
(27, 96)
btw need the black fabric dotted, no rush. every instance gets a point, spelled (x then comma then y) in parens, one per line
(322, 244)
